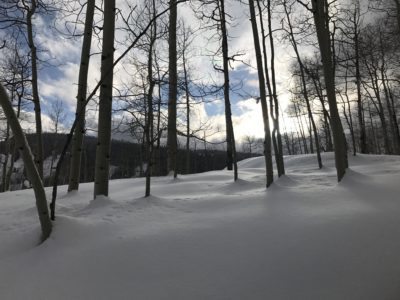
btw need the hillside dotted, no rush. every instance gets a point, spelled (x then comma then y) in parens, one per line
(126, 159)
(204, 237)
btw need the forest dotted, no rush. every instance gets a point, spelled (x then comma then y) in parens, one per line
(156, 90)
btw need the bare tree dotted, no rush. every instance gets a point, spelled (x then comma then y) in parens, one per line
(77, 141)
(57, 115)
(172, 142)
(105, 103)
(230, 137)
(293, 41)
(33, 174)
(149, 129)
(263, 97)
(216, 17)
(320, 10)
(15, 77)
(270, 76)
(16, 19)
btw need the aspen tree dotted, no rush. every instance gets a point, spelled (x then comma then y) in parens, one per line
(320, 12)
(77, 140)
(263, 98)
(33, 174)
(105, 102)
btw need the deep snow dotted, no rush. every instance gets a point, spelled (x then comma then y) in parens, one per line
(204, 237)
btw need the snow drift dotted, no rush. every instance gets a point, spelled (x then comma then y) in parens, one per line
(203, 236)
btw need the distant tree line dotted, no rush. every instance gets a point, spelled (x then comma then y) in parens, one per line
(126, 161)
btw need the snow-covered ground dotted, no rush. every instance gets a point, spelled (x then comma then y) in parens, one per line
(204, 237)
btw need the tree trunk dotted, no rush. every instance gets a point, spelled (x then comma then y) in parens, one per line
(275, 118)
(158, 142)
(230, 136)
(286, 136)
(77, 141)
(320, 8)
(14, 146)
(287, 143)
(349, 120)
(33, 174)
(263, 98)
(271, 85)
(396, 138)
(394, 117)
(35, 93)
(172, 142)
(374, 139)
(397, 3)
(304, 88)
(5, 162)
(149, 123)
(105, 103)
(391, 110)
(379, 106)
(185, 73)
(310, 134)
(361, 124)
(301, 127)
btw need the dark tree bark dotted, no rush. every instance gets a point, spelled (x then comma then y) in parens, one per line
(320, 12)
(230, 137)
(271, 85)
(304, 87)
(149, 122)
(391, 109)
(356, 39)
(263, 97)
(373, 75)
(348, 115)
(187, 95)
(397, 3)
(5, 162)
(172, 142)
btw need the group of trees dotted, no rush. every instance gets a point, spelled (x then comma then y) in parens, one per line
(364, 41)
(345, 71)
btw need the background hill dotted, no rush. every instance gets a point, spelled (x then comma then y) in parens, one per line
(126, 160)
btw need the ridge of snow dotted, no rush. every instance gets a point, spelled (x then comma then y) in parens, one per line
(204, 236)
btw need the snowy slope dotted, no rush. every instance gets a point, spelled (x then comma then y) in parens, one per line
(204, 237)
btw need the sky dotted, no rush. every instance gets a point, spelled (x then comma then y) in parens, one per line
(59, 81)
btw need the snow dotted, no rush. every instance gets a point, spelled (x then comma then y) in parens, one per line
(203, 236)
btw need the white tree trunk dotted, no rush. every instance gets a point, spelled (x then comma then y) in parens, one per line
(33, 174)
(35, 91)
(76, 152)
(105, 103)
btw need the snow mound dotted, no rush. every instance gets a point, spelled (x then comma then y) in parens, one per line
(204, 236)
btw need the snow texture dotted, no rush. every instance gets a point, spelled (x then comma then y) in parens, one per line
(203, 236)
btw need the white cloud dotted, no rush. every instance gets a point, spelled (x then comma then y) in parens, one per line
(248, 117)
(27, 122)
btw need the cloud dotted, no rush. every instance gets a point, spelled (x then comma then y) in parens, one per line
(27, 122)
(63, 88)
(60, 81)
